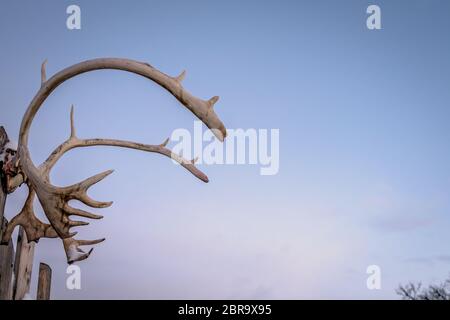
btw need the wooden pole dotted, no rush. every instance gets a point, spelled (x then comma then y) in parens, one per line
(6, 251)
(2, 203)
(44, 282)
(23, 265)
(3, 141)
(6, 269)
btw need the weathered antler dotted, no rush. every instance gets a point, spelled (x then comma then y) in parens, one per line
(34, 228)
(54, 200)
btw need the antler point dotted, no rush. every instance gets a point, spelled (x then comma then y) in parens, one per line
(211, 102)
(180, 77)
(43, 73)
(164, 144)
(72, 122)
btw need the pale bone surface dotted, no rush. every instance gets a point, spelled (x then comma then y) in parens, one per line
(55, 200)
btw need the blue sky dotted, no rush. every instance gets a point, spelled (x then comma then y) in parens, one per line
(364, 161)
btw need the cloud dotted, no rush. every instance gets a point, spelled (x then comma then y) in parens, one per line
(431, 260)
(402, 223)
(443, 258)
(394, 211)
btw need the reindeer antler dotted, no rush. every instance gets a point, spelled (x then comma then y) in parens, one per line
(54, 200)
(34, 228)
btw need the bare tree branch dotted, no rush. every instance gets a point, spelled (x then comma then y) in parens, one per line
(412, 291)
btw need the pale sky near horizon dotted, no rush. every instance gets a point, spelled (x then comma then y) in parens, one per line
(364, 127)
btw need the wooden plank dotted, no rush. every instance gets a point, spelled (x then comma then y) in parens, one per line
(2, 134)
(6, 251)
(44, 282)
(3, 137)
(2, 203)
(3, 140)
(23, 265)
(6, 269)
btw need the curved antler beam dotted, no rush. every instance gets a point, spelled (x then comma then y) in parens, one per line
(74, 142)
(203, 109)
(55, 200)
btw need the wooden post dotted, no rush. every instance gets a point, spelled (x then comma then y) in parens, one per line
(2, 203)
(44, 282)
(6, 269)
(6, 251)
(3, 140)
(23, 265)
(2, 207)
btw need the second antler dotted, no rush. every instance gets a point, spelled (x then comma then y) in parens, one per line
(55, 200)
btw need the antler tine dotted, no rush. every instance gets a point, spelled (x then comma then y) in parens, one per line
(72, 125)
(78, 223)
(73, 251)
(84, 185)
(43, 72)
(81, 213)
(93, 203)
(180, 77)
(89, 242)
